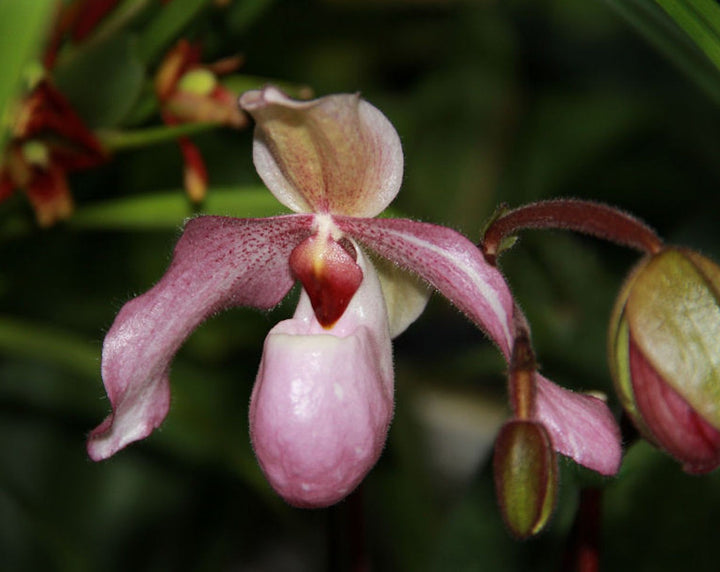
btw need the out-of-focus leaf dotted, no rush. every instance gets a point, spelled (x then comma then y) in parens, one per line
(701, 21)
(25, 339)
(117, 140)
(567, 134)
(112, 23)
(244, 14)
(103, 83)
(118, 18)
(145, 107)
(166, 26)
(22, 26)
(240, 83)
(682, 48)
(165, 211)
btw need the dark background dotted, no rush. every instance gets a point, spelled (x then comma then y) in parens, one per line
(495, 102)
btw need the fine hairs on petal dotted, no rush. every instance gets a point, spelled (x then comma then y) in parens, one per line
(218, 262)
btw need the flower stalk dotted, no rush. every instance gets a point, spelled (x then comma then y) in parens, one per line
(586, 217)
(521, 380)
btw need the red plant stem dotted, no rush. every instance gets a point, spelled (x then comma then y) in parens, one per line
(582, 553)
(587, 217)
(522, 375)
(347, 547)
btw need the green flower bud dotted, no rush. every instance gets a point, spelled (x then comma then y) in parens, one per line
(525, 470)
(36, 153)
(664, 349)
(198, 81)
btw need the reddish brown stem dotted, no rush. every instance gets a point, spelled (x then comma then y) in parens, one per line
(521, 379)
(347, 535)
(582, 553)
(587, 217)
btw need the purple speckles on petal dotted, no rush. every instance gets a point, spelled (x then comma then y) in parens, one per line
(218, 262)
(337, 154)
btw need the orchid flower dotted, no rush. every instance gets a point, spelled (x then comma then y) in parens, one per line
(49, 140)
(323, 398)
(189, 92)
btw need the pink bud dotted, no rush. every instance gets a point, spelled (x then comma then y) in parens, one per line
(665, 356)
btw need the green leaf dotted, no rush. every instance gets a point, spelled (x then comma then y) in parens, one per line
(118, 19)
(103, 83)
(22, 28)
(244, 14)
(675, 40)
(166, 211)
(167, 26)
(28, 340)
(701, 21)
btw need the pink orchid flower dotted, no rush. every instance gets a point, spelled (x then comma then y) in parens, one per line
(323, 398)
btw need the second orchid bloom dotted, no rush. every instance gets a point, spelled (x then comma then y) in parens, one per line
(323, 398)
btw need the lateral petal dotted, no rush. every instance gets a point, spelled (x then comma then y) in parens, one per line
(449, 262)
(337, 154)
(218, 262)
(581, 426)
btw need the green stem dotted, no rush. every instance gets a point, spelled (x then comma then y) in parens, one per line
(113, 140)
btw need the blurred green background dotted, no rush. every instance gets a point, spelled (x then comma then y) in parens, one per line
(495, 101)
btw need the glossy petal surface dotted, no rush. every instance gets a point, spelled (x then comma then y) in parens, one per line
(337, 154)
(218, 262)
(323, 399)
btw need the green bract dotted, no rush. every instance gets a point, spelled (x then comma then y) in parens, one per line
(525, 470)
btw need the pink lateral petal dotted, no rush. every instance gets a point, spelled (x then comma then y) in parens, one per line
(449, 262)
(580, 426)
(218, 262)
(337, 154)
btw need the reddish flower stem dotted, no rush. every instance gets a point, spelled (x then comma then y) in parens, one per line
(347, 548)
(586, 217)
(522, 375)
(582, 553)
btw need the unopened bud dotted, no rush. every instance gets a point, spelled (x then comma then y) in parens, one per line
(525, 470)
(198, 81)
(664, 349)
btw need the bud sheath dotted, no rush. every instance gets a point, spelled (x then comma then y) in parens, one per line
(525, 470)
